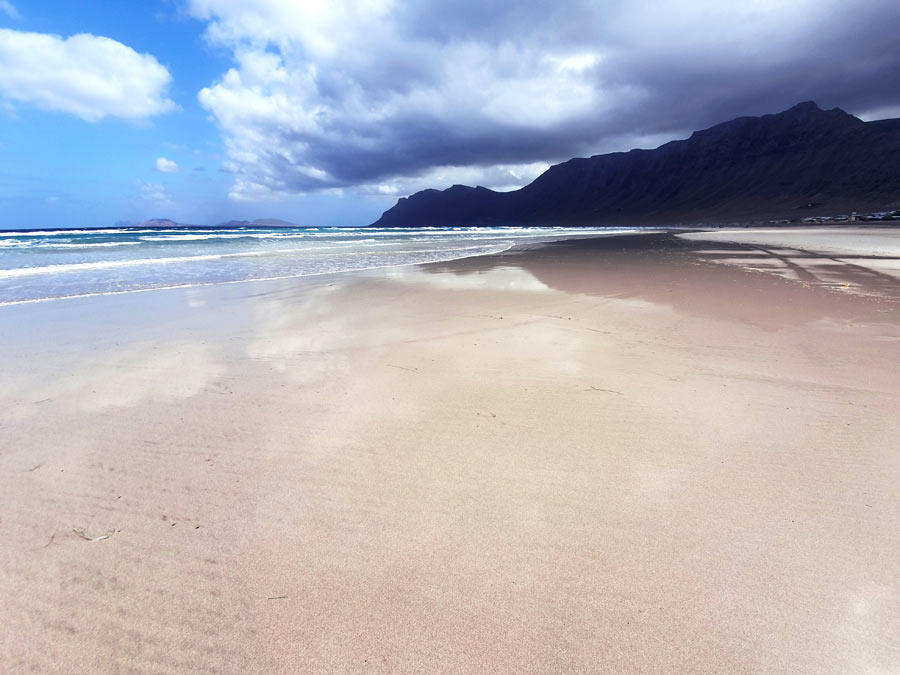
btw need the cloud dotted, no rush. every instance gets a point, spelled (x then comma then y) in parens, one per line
(9, 9)
(153, 192)
(382, 96)
(166, 165)
(85, 75)
(500, 177)
(8, 110)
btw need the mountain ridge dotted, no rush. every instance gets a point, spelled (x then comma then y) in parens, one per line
(803, 161)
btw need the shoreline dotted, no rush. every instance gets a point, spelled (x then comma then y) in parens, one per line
(732, 234)
(457, 255)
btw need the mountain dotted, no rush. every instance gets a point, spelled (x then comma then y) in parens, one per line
(160, 222)
(801, 162)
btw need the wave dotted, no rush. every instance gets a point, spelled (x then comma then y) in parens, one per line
(486, 251)
(4, 243)
(24, 239)
(99, 244)
(267, 235)
(99, 265)
(229, 235)
(115, 231)
(135, 262)
(485, 235)
(138, 262)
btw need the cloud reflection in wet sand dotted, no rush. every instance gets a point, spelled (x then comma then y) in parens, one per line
(499, 278)
(298, 334)
(120, 378)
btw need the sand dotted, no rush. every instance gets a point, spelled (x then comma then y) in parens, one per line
(607, 456)
(862, 259)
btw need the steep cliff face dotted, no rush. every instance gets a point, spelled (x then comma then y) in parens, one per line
(803, 161)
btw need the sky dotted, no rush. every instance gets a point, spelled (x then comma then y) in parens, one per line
(324, 112)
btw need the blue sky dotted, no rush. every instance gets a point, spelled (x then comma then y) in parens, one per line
(58, 170)
(326, 111)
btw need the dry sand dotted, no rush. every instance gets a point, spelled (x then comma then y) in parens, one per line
(607, 456)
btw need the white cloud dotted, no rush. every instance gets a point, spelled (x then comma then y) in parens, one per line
(330, 106)
(89, 76)
(380, 95)
(166, 165)
(500, 177)
(880, 113)
(153, 192)
(10, 10)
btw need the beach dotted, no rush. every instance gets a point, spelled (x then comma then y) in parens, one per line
(641, 453)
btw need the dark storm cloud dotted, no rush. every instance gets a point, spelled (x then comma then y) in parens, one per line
(850, 60)
(384, 97)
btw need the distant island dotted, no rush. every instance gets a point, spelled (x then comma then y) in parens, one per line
(801, 164)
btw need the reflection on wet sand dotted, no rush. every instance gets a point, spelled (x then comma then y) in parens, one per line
(119, 378)
(285, 331)
(500, 278)
(667, 270)
(861, 261)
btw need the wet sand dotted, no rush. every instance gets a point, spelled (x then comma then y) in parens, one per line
(617, 455)
(861, 259)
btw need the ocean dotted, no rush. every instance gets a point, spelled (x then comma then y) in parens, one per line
(40, 265)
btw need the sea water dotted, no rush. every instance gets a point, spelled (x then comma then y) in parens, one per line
(38, 265)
